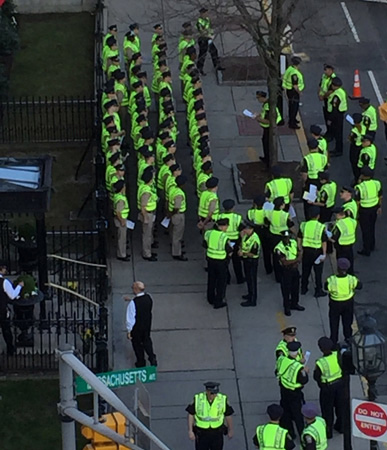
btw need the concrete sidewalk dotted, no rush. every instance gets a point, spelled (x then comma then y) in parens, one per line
(193, 342)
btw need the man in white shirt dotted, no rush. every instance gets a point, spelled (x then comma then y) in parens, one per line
(7, 293)
(139, 324)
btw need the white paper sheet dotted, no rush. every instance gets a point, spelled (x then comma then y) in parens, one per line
(349, 119)
(248, 113)
(130, 225)
(307, 356)
(165, 222)
(268, 206)
(320, 259)
(292, 212)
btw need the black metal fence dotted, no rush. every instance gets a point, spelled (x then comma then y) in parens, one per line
(47, 119)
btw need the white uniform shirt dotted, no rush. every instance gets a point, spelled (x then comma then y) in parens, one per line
(131, 313)
(9, 290)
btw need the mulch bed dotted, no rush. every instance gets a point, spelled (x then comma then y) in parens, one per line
(243, 68)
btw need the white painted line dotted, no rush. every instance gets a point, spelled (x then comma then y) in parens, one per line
(350, 22)
(376, 87)
(368, 419)
(377, 1)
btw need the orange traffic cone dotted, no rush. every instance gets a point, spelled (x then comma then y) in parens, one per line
(356, 86)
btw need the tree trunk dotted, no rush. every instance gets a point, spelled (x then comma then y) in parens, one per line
(273, 88)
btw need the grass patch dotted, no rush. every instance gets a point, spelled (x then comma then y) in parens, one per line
(55, 57)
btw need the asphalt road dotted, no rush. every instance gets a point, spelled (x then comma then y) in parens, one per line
(328, 36)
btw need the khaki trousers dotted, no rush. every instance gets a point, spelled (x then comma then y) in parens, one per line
(147, 234)
(178, 226)
(121, 238)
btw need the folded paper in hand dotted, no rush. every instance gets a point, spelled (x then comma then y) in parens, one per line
(349, 119)
(268, 206)
(165, 222)
(248, 113)
(130, 225)
(307, 356)
(320, 259)
(312, 194)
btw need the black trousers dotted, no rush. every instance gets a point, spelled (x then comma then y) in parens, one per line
(291, 402)
(326, 116)
(250, 266)
(237, 266)
(294, 103)
(346, 251)
(336, 130)
(331, 402)
(209, 440)
(367, 220)
(264, 237)
(265, 145)
(290, 287)
(217, 280)
(343, 311)
(5, 325)
(204, 47)
(274, 240)
(354, 152)
(309, 256)
(325, 214)
(142, 342)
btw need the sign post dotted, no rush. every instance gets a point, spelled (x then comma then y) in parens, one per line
(119, 378)
(369, 420)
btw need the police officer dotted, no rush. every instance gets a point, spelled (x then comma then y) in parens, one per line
(349, 204)
(263, 120)
(324, 89)
(289, 335)
(367, 155)
(208, 204)
(206, 416)
(314, 436)
(358, 131)
(176, 207)
(293, 82)
(337, 107)
(341, 289)
(232, 232)
(249, 252)
(121, 214)
(206, 41)
(272, 435)
(344, 236)
(326, 196)
(279, 186)
(316, 133)
(370, 116)
(292, 377)
(287, 254)
(329, 377)
(312, 242)
(218, 249)
(369, 196)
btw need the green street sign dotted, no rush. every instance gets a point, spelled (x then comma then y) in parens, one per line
(119, 378)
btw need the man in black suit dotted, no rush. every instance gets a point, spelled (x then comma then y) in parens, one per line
(139, 324)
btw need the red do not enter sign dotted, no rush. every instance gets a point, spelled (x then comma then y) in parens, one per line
(370, 419)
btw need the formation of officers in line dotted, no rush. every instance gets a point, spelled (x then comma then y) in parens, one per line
(126, 102)
(210, 415)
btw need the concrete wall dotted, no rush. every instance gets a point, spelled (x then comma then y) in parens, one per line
(53, 6)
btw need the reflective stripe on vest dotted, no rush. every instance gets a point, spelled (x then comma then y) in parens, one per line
(342, 96)
(318, 431)
(122, 88)
(288, 370)
(216, 244)
(369, 193)
(248, 242)
(371, 151)
(330, 188)
(316, 163)
(175, 192)
(209, 415)
(278, 220)
(351, 208)
(287, 82)
(233, 225)
(202, 178)
(257, 216)
(280, 187)
(323, 146)
(370, 116)
(121, 198)
(359, 134)
(342, 288)
(271, 436)
(152, 202)
(330, 368)
(312, 232)
(265, 114)
(325, 83)
(347, 227)
(204, 203)
(290, 251)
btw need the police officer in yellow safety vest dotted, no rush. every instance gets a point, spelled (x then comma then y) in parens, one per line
(326, 196)
(337, 107)
(218, 250)
(344, 237)
(324, 88)
(279, 186)
(314, 436)
(176, 211)
(289, 259)
(263, 119)
(292, 378)
(289, 335)
(368, 154)
(293, 83)
(249, 252)
(370, 116)
(349, 203)
(329, 377)
(369, 195)
(232, 232)
(358, 131)
(312, 164)
(209, 418)
(208, 204)
(271, 435)
(121, 214)
(341, 289)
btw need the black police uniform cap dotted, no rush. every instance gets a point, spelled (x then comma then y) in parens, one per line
(204, 150)
(206, 166)
(146, 133)
(113, 27)
(197, 91)
(110, 103)
(325, 175)
(259, 200)
(115, 157)
(111, 40)
(164, 92)
(212, 182)
(119, 74)
(158, 25)
(312, 143)
(364, 101)
(274, 411)
(203, 129)
(367, 137)
(169, 144)
(163, 135)
(168, 157)
(291, 331)
(118, 185)
(228, 203)
(315, 129)
(325, 343)
(147, 175)
(278, 201)
(203, 10)
(141, 118)
(293, 346)
(337, 82)
(261, 94)
(137, 84)
(181, 180)
(186, 24)
(212, 386)
(166, 74)
(296, 60)
(357, 117)
(175, 167)
(112, 142)
(133, 26)
(200, 116)
(190, 50)
(223, 222)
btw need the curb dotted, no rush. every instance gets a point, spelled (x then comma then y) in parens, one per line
(237, 185)
(301, 137)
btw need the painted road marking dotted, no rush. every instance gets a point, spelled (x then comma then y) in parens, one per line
(376, 87)
(350, 22)
(377, 1)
